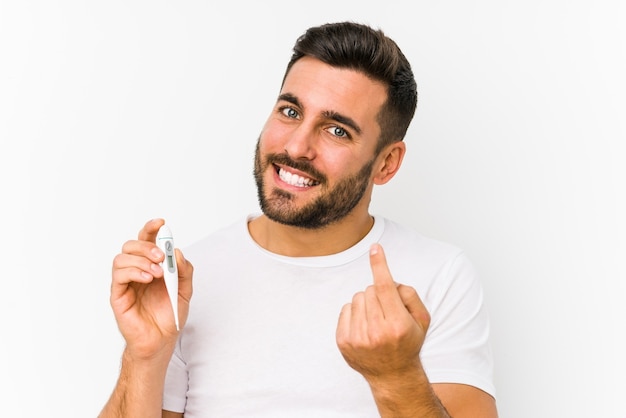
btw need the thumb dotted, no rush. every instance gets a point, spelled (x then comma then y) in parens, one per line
(413, 303)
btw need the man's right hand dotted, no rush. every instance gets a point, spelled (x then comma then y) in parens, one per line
(139, 297)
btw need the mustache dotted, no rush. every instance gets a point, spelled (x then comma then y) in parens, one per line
(301, 165)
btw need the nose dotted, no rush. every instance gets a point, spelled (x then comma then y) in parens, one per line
(301, 143)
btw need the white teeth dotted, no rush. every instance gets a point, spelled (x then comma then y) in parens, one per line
(294, 179)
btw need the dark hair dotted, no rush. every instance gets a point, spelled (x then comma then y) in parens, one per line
(362, 48)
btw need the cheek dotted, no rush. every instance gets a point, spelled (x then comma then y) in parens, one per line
(338, 162)
(274, 136)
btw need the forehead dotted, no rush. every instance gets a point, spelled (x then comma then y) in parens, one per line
(321, 87)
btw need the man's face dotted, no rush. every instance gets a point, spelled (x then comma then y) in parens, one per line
(314, 158)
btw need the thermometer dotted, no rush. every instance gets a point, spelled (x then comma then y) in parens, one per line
(165, 242)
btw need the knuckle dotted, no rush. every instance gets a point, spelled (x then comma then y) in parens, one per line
(407, 291)
(127, 245)
(377, 339)
(358, 297)
(343, 342)
(117, 261)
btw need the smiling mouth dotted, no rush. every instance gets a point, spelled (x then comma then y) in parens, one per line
(295, 179)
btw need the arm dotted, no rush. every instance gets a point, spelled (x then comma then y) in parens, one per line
(144, 316)
(466, 401)
(169, 414)
(380, 334)
(139, 389)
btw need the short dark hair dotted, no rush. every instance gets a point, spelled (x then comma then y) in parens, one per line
(362, 48)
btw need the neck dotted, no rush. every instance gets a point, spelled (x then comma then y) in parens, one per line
(302, 242)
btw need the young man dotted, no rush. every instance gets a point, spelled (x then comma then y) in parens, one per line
(314, 308)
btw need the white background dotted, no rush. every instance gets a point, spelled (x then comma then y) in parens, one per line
(115, 112)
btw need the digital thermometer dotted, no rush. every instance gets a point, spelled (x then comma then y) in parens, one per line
(165, 242)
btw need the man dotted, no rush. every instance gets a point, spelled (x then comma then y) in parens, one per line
(284, 299)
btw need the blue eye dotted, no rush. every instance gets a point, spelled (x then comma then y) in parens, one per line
(290, 112)
(338, 131)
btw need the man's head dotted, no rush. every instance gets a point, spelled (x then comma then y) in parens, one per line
(359, 47)
(345, 104)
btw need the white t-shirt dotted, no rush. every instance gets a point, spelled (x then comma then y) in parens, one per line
(260, 338)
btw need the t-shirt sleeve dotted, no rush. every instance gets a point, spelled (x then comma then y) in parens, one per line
(457, 347)
(176, 383)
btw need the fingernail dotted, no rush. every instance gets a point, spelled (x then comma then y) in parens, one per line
(157, 252)
(155, 268)
(374, 249)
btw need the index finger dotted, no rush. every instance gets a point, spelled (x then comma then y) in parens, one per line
(386, 288)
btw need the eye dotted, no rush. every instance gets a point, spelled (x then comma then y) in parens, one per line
(290, 112)
(338, 131)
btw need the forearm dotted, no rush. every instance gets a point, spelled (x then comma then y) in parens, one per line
(139, 389)
(408, 395)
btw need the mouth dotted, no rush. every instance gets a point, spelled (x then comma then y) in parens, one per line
(294, 179)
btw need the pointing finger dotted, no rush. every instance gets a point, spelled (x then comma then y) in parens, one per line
(386, 289)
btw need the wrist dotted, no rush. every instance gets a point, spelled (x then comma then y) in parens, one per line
(139, 389)
(155, 359)
(406, 393)
(391, 384)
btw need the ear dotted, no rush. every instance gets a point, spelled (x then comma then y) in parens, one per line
(389, 161)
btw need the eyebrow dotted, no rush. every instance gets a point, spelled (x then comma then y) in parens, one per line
(329, 114)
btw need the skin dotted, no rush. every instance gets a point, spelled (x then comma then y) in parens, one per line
(311, 136)
(379, 332)
(144, 316)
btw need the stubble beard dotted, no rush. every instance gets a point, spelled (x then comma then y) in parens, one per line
(331, 206)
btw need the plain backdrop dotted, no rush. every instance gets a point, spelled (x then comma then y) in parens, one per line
(112, 113)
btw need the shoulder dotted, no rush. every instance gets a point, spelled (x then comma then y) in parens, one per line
(432, 266)
(219, 241)
(408, 243)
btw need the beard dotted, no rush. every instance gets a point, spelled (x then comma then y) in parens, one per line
(331, 206)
